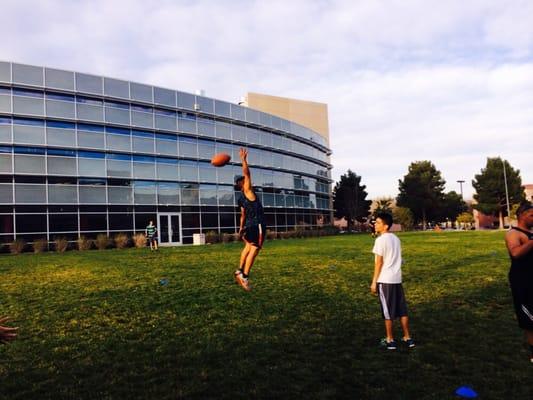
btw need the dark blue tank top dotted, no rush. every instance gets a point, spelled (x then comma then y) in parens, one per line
(522, 268)
(253, 211)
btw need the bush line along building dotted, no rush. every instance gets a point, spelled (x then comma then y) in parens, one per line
(82, 154)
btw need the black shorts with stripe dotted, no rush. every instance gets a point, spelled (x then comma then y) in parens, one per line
(522, 291)
(255, 234)
(392, 300)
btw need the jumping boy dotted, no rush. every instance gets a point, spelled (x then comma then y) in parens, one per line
(387, 281)
(252, 228)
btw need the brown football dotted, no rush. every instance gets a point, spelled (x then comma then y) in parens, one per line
(220, 159)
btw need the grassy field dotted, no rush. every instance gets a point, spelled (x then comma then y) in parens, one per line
(107, 325)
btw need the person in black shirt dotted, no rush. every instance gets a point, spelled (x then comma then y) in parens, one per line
(519, 242)
(252, 228)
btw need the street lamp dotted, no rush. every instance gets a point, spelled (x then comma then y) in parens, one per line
(506, 194)
(460, 182)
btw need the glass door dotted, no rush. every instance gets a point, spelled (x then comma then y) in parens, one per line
(169, 228)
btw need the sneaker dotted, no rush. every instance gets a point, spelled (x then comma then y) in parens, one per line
(410, 343)
(242, 281)
(389, 345)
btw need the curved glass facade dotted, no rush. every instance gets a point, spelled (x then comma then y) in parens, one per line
(84, 154)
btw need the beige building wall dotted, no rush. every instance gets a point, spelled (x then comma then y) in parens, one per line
(310, 114)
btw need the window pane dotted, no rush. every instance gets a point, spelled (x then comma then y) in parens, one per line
(190, 194)
(168, 193)
(59, 79)
(62, 165)
(5, 163)
(5, 133)
(208, 173)
(62, 194)
(62, 109)
(28, 134)
(91, 167)
(93, 222)
(143, 170)
(117, 116)
(118, 142)
(30, 223)
(5, 71)
(119, 168)
(141, 92)
(29, 164)
(189, 172)
(63, 222)
(223, 130)
(116, 88)
(165, 122)
(28, 105)
(145, 194)
(165, 97)
(61, 137)
(89, 83)
(143, 144)
(5, 103)
(27, 74)
(120, 195)
(30, 193)
(168, 172)
(92, 194)
(6, 193)
(208, 195)
(166, 147)
(206, 128)
(225, 196)
(188, 148)
(90, 112)
(91, 140)
(121, 222)
(186, 100)
(142, 119)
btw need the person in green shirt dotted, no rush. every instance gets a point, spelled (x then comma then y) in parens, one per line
(151, 234)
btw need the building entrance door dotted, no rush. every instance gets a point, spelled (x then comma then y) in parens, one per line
(169, 226)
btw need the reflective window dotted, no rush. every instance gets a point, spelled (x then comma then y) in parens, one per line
(167, 169)
(141, 92)
(62, 165)
(238, 133)
(30, 223)
(206, 104)
(227, 174)
(208, 173)
(144, 167)
(28, 193)
(28, 74)
(25, 131)
(5, 71)
(145, 192)
(6, 196)
(206, 149)
(189, 171)
(90, 109)
(63, 222)
(187, 125)
(92, 194)
(60, 106)
(93, 222)
(209, 221)
(222, 108)
(189, 195)
(91, 136)
(252, 116)
(223, 130)
(91, 164)
(89, 83)
(118, 167)
(237, 112)
(143, 142)
(65, 194)
(208, 195)
(165, 119)
(5, 163)
(225, 196)
(120, 194)
(142, 116)
(227, 220)
(168, 193)
(60, 134)
(186, 100)
(117, 113)
(56, 78)
(29, 164)
(118, 139)
(5, 100)
(188, 147)
(116, 88)
(166, 144)
(206, 127)
(165, 97)
(24, 102)
(121, 222)
(264, 119)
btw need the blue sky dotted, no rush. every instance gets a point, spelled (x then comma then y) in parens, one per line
(404, 80)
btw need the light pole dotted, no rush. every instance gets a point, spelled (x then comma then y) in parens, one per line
(460, 182)
(506, 194)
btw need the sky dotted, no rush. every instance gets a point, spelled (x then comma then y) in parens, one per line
(405, 80)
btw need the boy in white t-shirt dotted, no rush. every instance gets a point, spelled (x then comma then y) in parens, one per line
(387, 281)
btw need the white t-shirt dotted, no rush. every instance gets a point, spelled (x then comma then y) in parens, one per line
(388, 246)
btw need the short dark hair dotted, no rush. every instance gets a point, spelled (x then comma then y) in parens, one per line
(523, 208)
(386, 218)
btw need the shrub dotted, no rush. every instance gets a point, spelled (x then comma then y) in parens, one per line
(102, 242)
(17, 246)
(212, 237)
(40, 245)
(228, 237)
(61, 244)
(139, 240)
(121, 241)
(84, 243)
(271, 234)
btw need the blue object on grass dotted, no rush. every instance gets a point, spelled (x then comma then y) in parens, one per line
(163, 282)
(467, 392)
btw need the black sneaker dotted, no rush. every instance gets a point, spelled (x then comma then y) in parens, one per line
(389, 345)
(409, 343)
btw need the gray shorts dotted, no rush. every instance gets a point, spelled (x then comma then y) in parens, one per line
(392, 300)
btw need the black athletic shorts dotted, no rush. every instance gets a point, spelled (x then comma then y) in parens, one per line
(152, 239)
(523, 302)
(255, 234)
(392, 300)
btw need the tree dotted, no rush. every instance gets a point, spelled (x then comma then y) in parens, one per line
(422, 191)
(465, 219)
(383, 205)
(404, 217)
(453, 205)
(490, 188)
(349, 199)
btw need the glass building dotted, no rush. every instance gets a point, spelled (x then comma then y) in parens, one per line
(82, 154)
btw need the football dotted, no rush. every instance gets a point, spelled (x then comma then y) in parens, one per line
(220, 159)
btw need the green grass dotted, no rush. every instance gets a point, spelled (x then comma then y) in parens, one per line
(99, 325)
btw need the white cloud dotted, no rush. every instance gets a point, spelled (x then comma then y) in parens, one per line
(447, 81)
